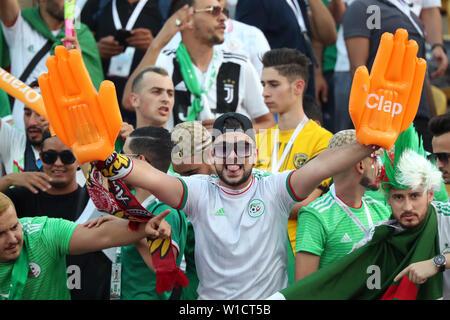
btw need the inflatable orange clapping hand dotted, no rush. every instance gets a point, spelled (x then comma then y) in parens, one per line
(385, 103)
(85, 121)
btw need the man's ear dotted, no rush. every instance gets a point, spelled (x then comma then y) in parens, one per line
(299, 86)
(359, 167)
(430, 195)
(134, 100)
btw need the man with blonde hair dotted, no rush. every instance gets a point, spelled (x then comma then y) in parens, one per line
(33, 250)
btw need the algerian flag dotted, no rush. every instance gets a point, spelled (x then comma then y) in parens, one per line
(368, 272)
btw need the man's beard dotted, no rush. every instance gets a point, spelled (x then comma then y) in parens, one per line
(55, 11)
(244, 178)
(366, 183)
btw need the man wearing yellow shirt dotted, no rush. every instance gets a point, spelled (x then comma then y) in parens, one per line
(299, 139)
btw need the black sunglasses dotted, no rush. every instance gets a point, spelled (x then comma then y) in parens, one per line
(215, 11)
(441, 156)
(242, 149)
(50, 156)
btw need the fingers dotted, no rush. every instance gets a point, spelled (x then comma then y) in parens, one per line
(394, 70)
(358, 95)
(404, 272)
(155, 228)
(380, 63)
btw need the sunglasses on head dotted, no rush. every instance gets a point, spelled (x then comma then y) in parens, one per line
(215, 11)
(50, 156)
(242, 149)
(441, 156)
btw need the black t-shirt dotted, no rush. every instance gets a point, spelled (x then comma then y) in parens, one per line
(103, 26)
(89, 274)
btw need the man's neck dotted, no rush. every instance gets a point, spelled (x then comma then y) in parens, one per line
(239, 187)
(350, 192)
(62, 191)
(201, 54)
(51, 22)
(290, 119)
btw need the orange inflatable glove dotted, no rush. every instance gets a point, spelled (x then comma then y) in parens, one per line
(85, 121)
(19, 90)
(385, 103)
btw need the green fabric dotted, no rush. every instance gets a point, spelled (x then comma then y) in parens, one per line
(190, 292)
(5, 108)
(138, 282)
(325, 229)
(19, 272)
(47, 244)
(329, 54)
(191, 81)
(89, 49)
(388, 250)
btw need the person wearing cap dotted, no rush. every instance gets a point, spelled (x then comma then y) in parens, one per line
(329, 227)
(239, 217)
(298, 138)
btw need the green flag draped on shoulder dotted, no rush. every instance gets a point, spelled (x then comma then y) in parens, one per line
(87, 42)
(368, 272)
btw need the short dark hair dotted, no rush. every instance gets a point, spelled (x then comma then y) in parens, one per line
(440, 124)
(138, 79)
(155, 144)
(289, 63)
(175, 5)
(311, 109)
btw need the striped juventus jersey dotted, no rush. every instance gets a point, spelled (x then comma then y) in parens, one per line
(326, 230)
(240, 235)
(231, 82)
(48, 245)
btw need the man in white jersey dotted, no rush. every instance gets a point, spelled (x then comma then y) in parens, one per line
(208, 81)
(328, 228)
(239, 218)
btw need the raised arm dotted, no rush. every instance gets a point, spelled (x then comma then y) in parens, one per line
(169, 29)
(325, 165)
(9, 11)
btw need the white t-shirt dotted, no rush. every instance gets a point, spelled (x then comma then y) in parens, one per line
(443, 216)
(239, 38)
(12, 147)
(24, 42)
(236, 82)
(240, 236)
(418, 5)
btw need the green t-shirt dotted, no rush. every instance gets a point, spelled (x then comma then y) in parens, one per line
(325, 229)
(48, 245)
(138, 282)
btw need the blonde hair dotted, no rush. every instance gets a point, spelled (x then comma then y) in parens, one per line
(5, 202)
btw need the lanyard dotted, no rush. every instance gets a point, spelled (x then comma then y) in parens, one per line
(407, 12)
(351, 215)
(298, 13)
(132, 19)
(276, 165)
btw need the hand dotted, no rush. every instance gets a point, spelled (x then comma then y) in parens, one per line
(157, 227)
(140, 38)
(125, 131)
(97, 222)
(441, 60)
(108, 47)
(384, 104)
(72, 42)
(170, 28)
(418, 272)
(86, 121)
(30, 180)
(321, 87)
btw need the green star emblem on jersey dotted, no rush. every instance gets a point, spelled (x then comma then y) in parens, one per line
(256, 208)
